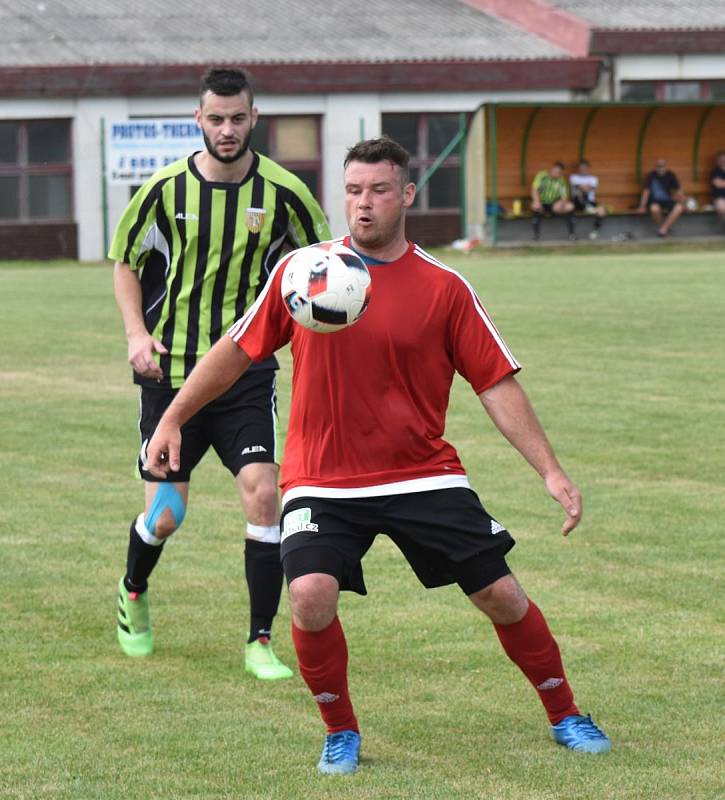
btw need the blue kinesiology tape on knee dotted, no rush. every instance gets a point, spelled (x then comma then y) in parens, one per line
(167, 496)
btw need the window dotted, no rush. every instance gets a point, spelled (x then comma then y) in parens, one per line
(717, 91)
(672, 91)
(35, 170)
(425, 137)
(682, 90)
(293, 142)
(639, 91)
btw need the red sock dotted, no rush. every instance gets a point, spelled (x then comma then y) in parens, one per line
(322, 658)
(530, 645)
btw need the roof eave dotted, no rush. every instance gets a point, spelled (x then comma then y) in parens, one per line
(304, 78)
(617, 41)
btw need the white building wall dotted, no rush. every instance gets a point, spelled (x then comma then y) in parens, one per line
(346, 118)
(669, 68)
(95, 224)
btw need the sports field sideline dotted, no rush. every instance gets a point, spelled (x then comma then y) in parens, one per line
(623, 357)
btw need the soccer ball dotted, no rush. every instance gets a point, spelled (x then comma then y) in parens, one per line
(326, 287)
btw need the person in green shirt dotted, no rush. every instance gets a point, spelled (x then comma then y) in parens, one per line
(550, 195)
(192, 252)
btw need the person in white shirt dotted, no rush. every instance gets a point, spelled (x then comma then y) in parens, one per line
(584, 187)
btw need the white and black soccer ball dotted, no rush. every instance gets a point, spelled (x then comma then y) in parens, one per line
(326, 287)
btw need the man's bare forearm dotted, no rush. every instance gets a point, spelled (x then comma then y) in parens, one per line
(510, 410)
(211, 377)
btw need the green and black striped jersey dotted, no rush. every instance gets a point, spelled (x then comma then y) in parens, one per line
(204, 250)
(550, 189)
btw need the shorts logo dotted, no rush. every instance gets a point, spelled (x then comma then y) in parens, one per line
(297, 522)
(326, 697)
(255, 219)
(496, 527)
(550, 683)
(255, 448)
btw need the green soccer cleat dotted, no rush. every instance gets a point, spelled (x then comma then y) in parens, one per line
(260, 660)
(134, 624)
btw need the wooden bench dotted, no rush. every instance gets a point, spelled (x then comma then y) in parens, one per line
(617, 227)
(621, 140)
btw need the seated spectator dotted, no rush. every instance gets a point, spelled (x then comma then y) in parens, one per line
(584, 195)
(663, 197)
(717, 185)
(550, 195)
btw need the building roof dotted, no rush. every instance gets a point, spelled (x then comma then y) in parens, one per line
(647, 14)
(65, 48)
(89, 32)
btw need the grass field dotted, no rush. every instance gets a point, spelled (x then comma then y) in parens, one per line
(624, 360)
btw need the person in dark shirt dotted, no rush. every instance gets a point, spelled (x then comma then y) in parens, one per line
(662, 197)
(717, 185)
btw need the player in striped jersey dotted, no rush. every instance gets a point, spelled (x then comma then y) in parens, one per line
(365, 452)
(193, 250)
(550, 195)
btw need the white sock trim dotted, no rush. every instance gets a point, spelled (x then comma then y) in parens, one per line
(145, 533)
(263, 533)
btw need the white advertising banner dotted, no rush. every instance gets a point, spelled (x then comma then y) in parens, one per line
(136, 148)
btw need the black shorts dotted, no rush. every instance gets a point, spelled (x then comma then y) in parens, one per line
(582, 204)
(548, 208)
(241, 425)
(665, 205)
(446, 535)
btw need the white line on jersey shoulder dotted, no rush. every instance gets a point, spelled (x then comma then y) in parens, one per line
(476, 302)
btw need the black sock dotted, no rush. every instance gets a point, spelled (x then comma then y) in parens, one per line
(569, 223)
(536, 221)
(597, 223)
(264, 578)
(140, 562)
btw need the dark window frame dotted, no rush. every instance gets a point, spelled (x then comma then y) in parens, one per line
(24, 170)
(660, 88)
(296, 165)
(422, 159)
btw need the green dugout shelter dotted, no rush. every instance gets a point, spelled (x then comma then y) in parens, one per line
(508, 143)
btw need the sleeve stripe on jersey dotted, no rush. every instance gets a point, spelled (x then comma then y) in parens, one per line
(303, 215)
(477, 304)
(152, 197)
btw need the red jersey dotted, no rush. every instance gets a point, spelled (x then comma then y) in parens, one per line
(369, 402)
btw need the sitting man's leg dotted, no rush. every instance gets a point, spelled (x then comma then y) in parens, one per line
(675, 213)
(655, 210)
(720, 208)
(565, 208)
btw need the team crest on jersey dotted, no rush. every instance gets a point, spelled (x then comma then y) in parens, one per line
(298, 521)
(255, 219)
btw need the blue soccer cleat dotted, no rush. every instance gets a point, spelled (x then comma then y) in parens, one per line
(581, 734)
(341, 753)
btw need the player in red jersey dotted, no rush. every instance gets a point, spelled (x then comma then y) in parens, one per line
(365, 451)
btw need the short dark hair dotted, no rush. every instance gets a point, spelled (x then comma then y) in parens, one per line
(559, 164)
(585, 162)
(226, 82)
(372, 151)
